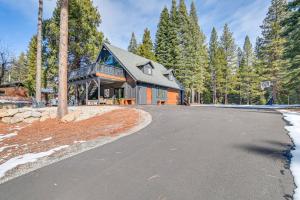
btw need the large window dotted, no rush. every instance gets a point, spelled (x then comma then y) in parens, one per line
(161, 93)
(108, 59)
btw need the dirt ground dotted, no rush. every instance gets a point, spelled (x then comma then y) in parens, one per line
(42, 136)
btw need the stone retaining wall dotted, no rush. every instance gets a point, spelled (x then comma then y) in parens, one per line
(30, 115)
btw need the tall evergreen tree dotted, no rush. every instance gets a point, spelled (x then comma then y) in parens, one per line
(146, 48)
(229, 48)
(273, 45)
(213, 54)
(198, 53)
(31, 66)
(250, 82)
(292, 49)
(185, 62)
(84, 38)
(133, 44)
(174, 39)
(162, 49)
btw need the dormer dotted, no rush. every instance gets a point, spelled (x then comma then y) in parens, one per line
(169, 74)
(146, 68)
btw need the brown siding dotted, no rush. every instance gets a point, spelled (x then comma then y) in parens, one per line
(173, 97)
(149, 95)
(14, 92)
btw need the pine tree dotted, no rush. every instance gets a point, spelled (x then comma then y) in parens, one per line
(273, 46)
(198, 55)
(213, 51)
(239, 57)
(31, 66)
(174, 39)
(162, 49)
(292, 49)
(19, 71)
(185, 62)
(133, 44)
(146, 48)
(229, 48)
(247, 73)
(84, 38)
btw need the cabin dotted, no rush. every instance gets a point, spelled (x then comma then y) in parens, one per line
(121, 77)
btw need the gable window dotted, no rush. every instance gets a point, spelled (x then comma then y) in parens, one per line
(148, 69)
(107, 58)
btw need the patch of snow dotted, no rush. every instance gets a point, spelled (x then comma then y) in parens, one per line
(5, 136)
(294, 131)
(6, 147)
(46, 139)
(80, 141)
(26, 158)
(275, 106)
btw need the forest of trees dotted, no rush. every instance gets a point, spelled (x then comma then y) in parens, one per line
(218, 71)
(211, 71)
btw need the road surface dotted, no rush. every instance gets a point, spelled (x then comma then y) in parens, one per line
(186, 153)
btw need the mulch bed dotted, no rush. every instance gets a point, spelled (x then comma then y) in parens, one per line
(43, 136)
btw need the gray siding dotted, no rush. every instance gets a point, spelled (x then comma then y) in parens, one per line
(142, 95)
(129, 87)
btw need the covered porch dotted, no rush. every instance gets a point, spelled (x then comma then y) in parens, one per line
(99, 84)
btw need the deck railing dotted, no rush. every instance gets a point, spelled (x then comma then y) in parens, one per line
(96, 68)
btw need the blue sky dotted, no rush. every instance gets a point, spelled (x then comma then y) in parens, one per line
(121, 17)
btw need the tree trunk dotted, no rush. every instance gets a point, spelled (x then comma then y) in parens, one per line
(39, 54)
(63, 61)
(192, 95)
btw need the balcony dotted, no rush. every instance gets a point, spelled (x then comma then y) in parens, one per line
(109, 72)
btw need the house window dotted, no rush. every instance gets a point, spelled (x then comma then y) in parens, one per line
(161, 93)
(148, 69)
(108, 59)
(171, 77)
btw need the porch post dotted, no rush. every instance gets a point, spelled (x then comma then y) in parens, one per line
(99, 82)
(86, 93)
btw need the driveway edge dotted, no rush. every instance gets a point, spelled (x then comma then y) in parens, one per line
(145, 119)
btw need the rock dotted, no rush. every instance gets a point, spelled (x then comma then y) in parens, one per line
(36, 114)
(24, 109)
(8, 112)
(3, 113)
(45, 113)
(12, 112)
(31, 120)
(6, 120)
(25, 114)
(16, 119)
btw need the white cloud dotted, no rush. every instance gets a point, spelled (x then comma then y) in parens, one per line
(121, 17)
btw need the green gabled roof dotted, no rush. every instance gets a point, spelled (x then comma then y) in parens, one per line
(130, 62)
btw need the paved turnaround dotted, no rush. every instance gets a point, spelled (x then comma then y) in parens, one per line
(186, 153)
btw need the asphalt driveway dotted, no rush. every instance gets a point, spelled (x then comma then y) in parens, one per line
(186, 153)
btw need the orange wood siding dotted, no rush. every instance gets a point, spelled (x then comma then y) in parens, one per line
(173, 97)
(149, 95)
(110, 77)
